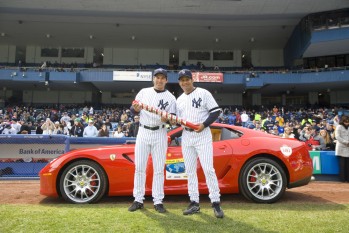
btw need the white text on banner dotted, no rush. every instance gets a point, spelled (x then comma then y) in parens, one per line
(132, 76)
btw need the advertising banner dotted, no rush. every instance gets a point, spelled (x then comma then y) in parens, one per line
(207, 77)
(315, 155)
(175, 169)
(31, 148)
(132, 76)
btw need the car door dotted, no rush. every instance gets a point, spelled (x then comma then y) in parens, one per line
(175, 176)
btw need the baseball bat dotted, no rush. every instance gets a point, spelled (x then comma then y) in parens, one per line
(167, 115)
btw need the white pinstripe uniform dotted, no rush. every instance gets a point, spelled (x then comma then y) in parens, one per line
(152, 141)
(196, 107)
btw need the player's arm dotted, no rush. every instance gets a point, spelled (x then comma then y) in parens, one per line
(172, 110)
(214, 114)
(135, 109)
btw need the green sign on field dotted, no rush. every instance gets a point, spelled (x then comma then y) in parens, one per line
(315, 156)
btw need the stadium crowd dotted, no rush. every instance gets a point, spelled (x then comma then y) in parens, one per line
(315, 126)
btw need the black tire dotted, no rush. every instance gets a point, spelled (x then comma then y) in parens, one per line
(262, 180)
(82, 182)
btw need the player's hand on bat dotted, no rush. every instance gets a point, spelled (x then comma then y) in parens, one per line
(201, 128)
(164, 119)
(136, 106)
(173, 122)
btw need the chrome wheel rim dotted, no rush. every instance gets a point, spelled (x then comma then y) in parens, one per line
(264, 181)
(82, 183)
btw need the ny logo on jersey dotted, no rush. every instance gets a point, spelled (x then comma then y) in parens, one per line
(162, 105)
(196, 102)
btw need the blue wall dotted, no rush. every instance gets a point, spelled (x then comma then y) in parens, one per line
(324, 162)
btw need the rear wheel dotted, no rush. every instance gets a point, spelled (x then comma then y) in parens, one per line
(82, 182)
(262, 180)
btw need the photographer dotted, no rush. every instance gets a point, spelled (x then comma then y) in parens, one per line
(310, 135)
(48, 127)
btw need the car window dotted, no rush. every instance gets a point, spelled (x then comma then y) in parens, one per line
(218, 134)
(230, 134)
(176, 138)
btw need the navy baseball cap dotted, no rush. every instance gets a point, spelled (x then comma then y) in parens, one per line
(184, 73)
(160, 71)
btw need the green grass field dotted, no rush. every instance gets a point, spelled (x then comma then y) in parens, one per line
(239, 217)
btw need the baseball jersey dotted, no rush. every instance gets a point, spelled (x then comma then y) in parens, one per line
(164, 101)
(196, 106)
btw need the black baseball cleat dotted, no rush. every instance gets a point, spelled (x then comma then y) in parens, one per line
(160, 208)
(136, 206)
(218, 212)
(193, 208)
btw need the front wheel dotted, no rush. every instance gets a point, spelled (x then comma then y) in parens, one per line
(262, 180)
(83, 182)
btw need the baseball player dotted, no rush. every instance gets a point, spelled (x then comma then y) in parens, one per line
(197, 105)
(152, 139)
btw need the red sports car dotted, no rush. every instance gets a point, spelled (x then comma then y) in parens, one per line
(258, 165)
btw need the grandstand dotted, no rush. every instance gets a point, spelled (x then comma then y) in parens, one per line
(268, 52)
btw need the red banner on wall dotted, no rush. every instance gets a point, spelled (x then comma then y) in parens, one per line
(205, 77)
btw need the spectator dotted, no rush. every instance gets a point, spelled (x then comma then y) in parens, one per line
(88, 117)
(90, 130)
(280, 128)
(65, 118)
(258, 126)
(67, 127)
(124, 117)
(306, 120)
(16, 125)
(342, 148)
(280, 119)
(238, 118)
(47, 127)
(275, 110)
(26, 126)
(103, 132)
(108, 124)
(43, 66)
(134, 127)
(288, 133)
(85, 109)
(58, 128)
(267, 124)
(91, 111)
(257, 116)
(119, 133)
(77, 129)
(38, 127)
(328, 140)
(312, 139)
(8, 129)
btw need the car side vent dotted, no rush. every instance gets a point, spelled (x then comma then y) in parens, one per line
(224, 172)
(127, 157)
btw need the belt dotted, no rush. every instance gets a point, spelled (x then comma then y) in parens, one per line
(152, 128)
(188, 129)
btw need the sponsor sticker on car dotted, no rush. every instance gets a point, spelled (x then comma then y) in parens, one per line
(286, 150)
